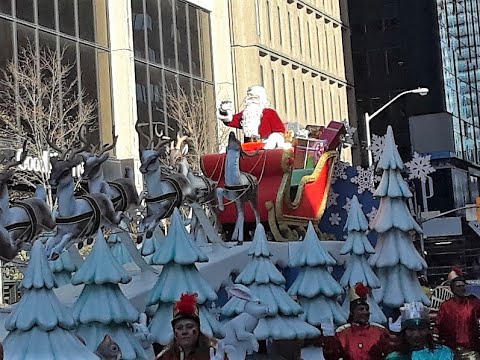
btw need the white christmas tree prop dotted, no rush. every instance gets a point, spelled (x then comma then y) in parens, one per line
(396, 260)
(152, 244)
(119, 251)
(315, 287)
(268, 284)
(357, 269)
(40, 326)
(178, 255)
(102, 308)
(62, 269)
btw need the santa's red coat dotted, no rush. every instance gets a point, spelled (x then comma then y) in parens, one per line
(269, 123)
(457, 322)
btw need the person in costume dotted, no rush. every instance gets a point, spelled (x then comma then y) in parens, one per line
(258, 121)
(458, 319)
(189, 343)
(359, 339)
(417, 341)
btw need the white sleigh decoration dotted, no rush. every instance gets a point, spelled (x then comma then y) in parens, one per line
(240, 340)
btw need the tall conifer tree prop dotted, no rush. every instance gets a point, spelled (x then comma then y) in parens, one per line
(396, 260)
(268, 284)
(178, 255)
(358, 270)
(40, 326)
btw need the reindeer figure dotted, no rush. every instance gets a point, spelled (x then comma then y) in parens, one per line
(22, 222)
(122, 192)
(204, 187)
(78, 217)
(164, 193)
(239, 187)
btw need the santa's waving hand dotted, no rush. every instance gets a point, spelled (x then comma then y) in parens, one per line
(257, 120)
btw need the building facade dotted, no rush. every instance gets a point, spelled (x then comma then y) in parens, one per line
(402, 45)
(299, 51)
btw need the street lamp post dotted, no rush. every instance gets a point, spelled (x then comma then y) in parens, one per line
(368, 117)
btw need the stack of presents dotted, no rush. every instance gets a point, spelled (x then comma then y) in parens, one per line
(311, 144)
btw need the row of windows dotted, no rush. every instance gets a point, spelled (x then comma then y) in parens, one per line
(327, 7)
(376, 26)
(63, 16)
(153, 85)
(306, 36)
(174, 35)
(90, 62)
(378, 63)
(301, 96)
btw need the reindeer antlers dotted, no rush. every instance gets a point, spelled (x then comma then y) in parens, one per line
(180, 140)
(19, 161)
(62, 154)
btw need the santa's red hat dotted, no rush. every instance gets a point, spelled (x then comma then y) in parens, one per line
(186, 308)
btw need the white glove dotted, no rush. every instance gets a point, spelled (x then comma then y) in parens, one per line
(225, 111)
(328, 329)
(395, 326)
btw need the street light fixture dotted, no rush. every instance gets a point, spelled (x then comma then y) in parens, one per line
(368, 117)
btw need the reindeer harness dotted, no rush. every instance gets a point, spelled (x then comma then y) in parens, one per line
(174, 197)
(95, 215)
(120, 202)
(30, 225)
(251, 184)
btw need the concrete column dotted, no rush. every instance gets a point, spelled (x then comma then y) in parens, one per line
(123, 83)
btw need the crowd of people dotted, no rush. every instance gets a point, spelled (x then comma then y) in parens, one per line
(455, 334)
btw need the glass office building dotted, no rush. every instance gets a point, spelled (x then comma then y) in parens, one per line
(78, 25)
(172, 47)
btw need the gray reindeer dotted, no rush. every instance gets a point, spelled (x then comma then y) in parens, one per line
(123, 191)
(239, 187)
(79, 217)
(164, 192)
(22, 222)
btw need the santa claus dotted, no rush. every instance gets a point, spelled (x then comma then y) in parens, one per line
(257, 120)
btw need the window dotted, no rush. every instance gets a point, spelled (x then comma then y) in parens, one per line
(168, 33)
(274, 90)
(314, 101)
(67, 17)
(375, 26)
(24, 9)
(393, 60)
(295, 97)
(376, 60)
(279, 19)
(195, 41)
(358, 29)
(6, 7)
(391, 24)
(182, 38)
(284, 85)
(318, 45)
(269, 21)
(290, 30)
(153, 31)
(309, 40)
(46, 13)
(300, 35)
(360, 66)
(86, 20)
(304, 95)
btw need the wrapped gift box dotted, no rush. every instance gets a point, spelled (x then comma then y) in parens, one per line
(332, 135)
(307, 152)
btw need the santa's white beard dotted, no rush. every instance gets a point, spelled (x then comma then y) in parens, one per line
(251, 118)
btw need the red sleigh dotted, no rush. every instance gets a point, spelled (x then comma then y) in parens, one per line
(288, 198)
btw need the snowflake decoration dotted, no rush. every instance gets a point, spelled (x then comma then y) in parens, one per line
(378, 143)
(419, 167)
(365, 179)
(335, 219)
(371, 215)
(348, 138)
(339, 171)
(332, 198)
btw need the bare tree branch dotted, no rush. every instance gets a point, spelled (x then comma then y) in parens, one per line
(196, 117)
(40, 101)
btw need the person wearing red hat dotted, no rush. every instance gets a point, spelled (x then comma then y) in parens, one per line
(189, 343)
(458, 319)
(359, 339)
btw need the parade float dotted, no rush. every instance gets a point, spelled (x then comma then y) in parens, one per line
(274, 208)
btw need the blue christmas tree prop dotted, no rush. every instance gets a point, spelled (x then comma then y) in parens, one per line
(284, 321)
(40, 326)
(102, 308)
